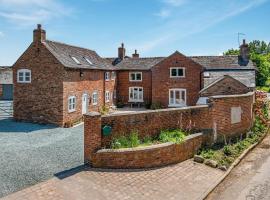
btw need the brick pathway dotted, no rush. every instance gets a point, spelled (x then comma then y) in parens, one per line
(186, 180)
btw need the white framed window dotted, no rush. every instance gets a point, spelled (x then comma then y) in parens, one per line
(113, 76)
(24, 76)
(107, 76)
(88, 60)
(95, 98)
(71, 104)
(177, 72)
(107, 96)
(75, 60)
(135, 76)
(177, 97)
(135, 94)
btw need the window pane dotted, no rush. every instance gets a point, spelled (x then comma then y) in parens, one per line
(171, 97)
(177, 97)
(27, 78)
(173, 72)
(139, 76)
(180, 72)
(133, 76)
(140, 94)
(183, 96)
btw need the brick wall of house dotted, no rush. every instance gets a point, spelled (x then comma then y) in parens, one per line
(124, 84)
(152, 156)
(222, 113)
(74, 85)
(226, 86)
(162, 82)
(42, 99)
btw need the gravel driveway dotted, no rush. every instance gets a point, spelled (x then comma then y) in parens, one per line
(31, 153)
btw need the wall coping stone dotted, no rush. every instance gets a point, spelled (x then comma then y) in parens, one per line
(232, 96)
(92, 114)
(142, 148)
(155, 111)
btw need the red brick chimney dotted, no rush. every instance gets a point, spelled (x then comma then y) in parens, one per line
(121, 52)
(39, 34)
(244, 52)
(135, 55)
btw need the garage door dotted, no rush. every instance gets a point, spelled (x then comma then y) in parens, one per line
(7, 92)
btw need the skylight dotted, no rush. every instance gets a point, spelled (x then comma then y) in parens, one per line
(75, 60)
(89, 61)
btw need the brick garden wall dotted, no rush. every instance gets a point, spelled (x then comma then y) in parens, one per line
(150, 123)
(216, 116)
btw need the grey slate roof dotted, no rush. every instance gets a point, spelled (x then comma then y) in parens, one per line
(136, 63)
(5, 67)
(64, 52)
(208, 62)
(222, 62)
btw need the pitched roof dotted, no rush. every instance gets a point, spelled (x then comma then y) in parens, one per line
(136, 63)
(222, 62)
(208, 62)
(64, 53)
(221, 79)
(5, 67)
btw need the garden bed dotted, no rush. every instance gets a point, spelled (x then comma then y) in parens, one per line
(154, 155)
(223, 155)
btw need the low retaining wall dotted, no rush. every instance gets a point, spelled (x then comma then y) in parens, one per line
(147, 157)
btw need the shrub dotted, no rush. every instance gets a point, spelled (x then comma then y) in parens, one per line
(104, 110)
(156, 106)
(175, 136)
(128, 141)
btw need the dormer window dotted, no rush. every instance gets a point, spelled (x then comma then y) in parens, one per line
(76, 60)
(107, 76)
(24, 76)
(177, 72)
(88, 60)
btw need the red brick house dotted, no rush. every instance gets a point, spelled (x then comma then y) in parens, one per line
(58, 83)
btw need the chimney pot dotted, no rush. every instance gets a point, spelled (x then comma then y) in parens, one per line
(244, 53)
(39, 34)
(121, 52)
(135, 55)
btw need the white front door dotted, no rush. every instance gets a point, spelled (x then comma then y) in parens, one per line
(177, 97)
(84, 103)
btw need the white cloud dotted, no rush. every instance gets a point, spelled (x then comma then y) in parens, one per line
(1, 34)
(164, 13)
(193, 19)
(175, 3)
(29, 12)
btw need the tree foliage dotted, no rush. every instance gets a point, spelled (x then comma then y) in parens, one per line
(260, 55)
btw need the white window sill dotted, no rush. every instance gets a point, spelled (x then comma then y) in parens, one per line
(176, 105)
(107, 101)
(94, 104)
(71, 111)
(177, 77)
(135, 80)
(135, 101)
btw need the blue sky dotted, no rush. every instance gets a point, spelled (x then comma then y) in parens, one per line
(154, 27)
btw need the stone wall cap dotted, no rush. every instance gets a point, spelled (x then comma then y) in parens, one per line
(232, 96)
(156, 111)
(92, 114)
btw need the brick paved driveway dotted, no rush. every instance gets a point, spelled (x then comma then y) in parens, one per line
(187, 180)
(31, 153)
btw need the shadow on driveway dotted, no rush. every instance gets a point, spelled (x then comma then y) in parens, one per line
(9, 125)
